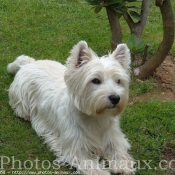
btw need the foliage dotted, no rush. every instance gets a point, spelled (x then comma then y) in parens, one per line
(117, 5)
(135, 45)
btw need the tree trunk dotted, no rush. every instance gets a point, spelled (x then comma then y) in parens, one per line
(137, 28)
(168, 37)
(115, 27)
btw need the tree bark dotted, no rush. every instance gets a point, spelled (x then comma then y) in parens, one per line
(168, 37)
(115, 27)
(137, 28)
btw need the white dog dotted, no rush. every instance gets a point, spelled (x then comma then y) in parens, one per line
(76, 107)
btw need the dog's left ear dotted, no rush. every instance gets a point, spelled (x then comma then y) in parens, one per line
(122, 55)
(80, 54)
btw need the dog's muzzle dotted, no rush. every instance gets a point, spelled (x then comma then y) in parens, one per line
(114, 99)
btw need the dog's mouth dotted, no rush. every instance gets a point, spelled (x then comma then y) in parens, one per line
(111, 107)
(102, 110)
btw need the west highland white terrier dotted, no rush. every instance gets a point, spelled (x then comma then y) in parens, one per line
(76, 107)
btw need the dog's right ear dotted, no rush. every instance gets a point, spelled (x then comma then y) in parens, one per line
(80, 54)
(122, 55)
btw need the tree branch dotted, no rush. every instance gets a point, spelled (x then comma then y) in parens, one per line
(144, 11)
(164, 47)
(137, 28)
(128, 19)
(115, 27)
(145, 54)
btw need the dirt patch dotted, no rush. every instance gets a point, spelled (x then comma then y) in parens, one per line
(161, 94)
(164, 80)
(165, 74)
(169, 158)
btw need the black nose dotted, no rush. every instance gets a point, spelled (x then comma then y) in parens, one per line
(114, 99)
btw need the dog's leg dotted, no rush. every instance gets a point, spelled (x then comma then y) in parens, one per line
(117, 157)
(70, 153)
(121, 163)
(87, 165)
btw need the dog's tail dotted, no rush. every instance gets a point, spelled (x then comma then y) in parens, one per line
(20, 61)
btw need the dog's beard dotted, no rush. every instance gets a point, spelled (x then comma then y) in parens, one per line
(98, 106)
(113, 110)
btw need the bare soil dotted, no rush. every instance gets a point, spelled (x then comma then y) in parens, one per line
(165, 74)
(169, 156)
(164, 80)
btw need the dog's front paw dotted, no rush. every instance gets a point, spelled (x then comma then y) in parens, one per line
(124, 167)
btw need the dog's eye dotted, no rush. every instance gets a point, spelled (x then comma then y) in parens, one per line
(96, 81)
(118, 81)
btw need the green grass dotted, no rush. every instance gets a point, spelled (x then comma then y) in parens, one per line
(49, 29)
(150, 127)
(140, 87)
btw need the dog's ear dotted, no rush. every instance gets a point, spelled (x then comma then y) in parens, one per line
(122, 55)
(80, 54)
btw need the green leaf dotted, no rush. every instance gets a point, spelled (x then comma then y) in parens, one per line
(133, 41)
(97, 9)
(134, 45)
(140, 46)
(135, 15)
(134, 7)
(134, 49)
(119, 15)
(119, 5)
(112, 2)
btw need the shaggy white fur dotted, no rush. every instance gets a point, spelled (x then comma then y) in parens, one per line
(76, 107)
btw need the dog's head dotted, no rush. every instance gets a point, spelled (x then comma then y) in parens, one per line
(98, 86)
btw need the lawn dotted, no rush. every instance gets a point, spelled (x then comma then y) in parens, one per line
(48, 30)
